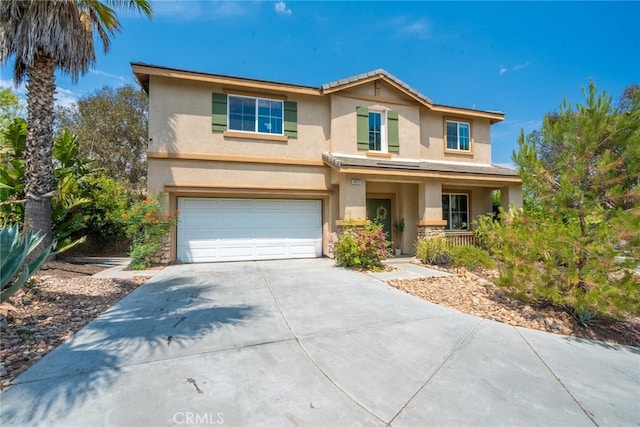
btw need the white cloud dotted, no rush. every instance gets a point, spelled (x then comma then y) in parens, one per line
(517, 67)
(65, 97)
(410, 28)
(282, 9)
(121, 79)
(209, 10)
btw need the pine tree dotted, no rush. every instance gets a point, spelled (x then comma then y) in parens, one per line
(581, 247)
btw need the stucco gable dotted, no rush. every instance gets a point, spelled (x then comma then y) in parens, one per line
(379, 74)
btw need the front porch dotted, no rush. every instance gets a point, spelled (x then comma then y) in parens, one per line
(431, 203)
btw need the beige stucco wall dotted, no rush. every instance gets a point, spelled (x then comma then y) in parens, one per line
(344, 129)
(432, 138)
(180, 121)
(210, 174)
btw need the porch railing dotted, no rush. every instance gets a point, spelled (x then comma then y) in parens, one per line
(461, 238)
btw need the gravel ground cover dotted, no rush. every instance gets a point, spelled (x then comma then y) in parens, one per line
(58, 301)
(476, 294)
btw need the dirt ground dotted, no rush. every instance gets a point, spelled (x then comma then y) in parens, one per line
(63, 297)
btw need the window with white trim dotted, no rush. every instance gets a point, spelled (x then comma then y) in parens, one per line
(455, 210)
(458, 135)
(260, 115)
(377, 132)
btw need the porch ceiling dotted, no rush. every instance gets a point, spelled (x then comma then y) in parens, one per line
(421, 168)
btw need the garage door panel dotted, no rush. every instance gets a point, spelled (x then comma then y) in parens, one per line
(248, 229)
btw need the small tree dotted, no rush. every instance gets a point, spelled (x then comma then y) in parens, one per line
(112, 127)
(582, 169)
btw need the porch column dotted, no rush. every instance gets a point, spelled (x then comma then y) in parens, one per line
(430, 222)
(353, 197)
(511, 196)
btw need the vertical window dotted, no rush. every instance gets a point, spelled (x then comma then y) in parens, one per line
(458, 135)
(375, 131)
(255, 115)
(455, 210)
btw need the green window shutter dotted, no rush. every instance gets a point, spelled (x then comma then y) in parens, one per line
(393, 137)
(291, 119)
(219, 112)
(363, 127)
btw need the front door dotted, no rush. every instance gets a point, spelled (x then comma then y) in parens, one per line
(379, 210)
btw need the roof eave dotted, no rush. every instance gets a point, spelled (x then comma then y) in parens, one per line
(143, 71)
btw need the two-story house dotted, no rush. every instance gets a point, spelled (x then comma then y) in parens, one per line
(265, 170)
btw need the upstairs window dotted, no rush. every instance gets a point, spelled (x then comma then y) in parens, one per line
(258, 115)
(455, 210)
(458, 136)
(376, 132)
(264, 116)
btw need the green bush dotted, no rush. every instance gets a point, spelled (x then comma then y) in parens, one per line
(147, 226)
(434, 251)
(109, 200)
(550, 259)
(363, 246)
(470, 257)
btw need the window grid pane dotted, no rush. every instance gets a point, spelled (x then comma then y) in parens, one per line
(452, 136)
(464, 136)
(458, 136)
(241, 114)
(375, 131)
(255, 115)
(455, 210)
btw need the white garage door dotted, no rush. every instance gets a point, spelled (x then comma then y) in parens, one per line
(248, 229)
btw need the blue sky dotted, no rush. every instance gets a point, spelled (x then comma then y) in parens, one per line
(520, 58)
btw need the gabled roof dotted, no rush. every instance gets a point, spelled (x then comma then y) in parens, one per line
(142, 71)
(375, 75)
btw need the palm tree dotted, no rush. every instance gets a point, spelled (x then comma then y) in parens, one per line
(45, 36)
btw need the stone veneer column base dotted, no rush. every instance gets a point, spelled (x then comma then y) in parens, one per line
(162, 257)
(430, 232)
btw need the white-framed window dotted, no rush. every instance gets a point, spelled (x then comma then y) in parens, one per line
(455, 210)
(458, 135)
(260, 115)
(377, 131)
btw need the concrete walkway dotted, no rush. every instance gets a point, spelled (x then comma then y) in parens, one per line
(406, 267)
(305, 343)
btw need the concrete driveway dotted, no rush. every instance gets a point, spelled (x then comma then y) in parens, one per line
(305, 343)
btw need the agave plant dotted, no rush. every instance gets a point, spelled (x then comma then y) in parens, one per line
(14, 250)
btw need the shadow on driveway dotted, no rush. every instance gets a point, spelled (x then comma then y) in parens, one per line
(159, 320)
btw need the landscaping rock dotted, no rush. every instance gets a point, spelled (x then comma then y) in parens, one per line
(58, 301)
(476, 294)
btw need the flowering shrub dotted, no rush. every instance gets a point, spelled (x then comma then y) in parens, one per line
(147, 225)
(362, 246)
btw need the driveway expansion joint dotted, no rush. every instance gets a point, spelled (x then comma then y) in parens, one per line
(562, 384)
(311, 359)
(435, 372)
